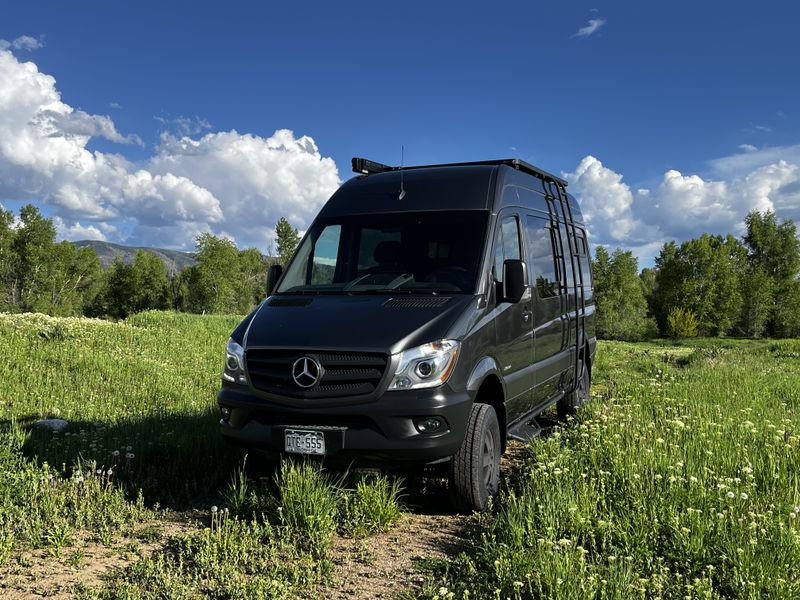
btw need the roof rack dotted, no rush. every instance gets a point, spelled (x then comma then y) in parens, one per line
(368, 167)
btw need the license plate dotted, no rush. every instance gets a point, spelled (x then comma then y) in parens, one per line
(304, 442)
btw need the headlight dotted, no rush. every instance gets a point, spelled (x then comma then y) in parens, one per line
(234, 364)
(425, 366)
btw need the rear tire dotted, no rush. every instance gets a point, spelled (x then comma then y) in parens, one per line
(475, 468)
(569, 404)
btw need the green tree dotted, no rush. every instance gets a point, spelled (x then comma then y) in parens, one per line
(703, 276)
(619, 294)
(287, 239)
(758, 301)
(215, 282)
(774, 252)
(130, 288)
(7, 257)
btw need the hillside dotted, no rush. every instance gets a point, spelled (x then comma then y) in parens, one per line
(175, 260)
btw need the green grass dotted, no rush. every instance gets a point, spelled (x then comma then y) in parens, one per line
(681, 479)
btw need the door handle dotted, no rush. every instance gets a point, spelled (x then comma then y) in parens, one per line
(526, 313)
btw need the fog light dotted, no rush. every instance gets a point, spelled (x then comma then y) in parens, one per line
(233, 363)
(430, 424)
(225, 412)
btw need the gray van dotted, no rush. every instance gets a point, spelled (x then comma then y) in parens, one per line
(428, 314)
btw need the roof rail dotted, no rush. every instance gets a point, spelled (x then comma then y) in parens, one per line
(368, 167)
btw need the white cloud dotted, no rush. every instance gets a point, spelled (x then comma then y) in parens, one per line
(76, 231)
(23, 42)
(747, 148)
(606, 203)
(222, 181)
(763, 128)
(261, 179)
(684, 206)
(184, 126)
(591, 27)
(729, 167)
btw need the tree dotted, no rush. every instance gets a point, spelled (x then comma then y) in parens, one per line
(758, 300)
(135, 287)
(215, 282)
(703, 276)
(287, 239)
(7, 256)
(619, 295)
(774, 255)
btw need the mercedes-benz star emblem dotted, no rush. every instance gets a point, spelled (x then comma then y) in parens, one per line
(306, 372)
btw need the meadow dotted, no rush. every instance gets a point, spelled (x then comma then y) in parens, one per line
(679, 479)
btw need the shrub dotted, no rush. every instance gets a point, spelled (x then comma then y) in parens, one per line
(682, 323)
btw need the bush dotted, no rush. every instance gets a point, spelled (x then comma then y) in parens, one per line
(682, 323)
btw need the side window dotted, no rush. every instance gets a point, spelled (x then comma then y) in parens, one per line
(506, 245)
(583, 251)
(567, 242)
(326, 250)
(540, 256)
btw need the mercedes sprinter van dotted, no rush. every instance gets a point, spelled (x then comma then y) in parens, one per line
(428, 314)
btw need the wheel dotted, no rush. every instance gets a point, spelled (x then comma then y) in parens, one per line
(475, 468)
(570, 403)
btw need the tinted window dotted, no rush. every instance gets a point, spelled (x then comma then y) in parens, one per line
(506, 246)
(567, 244)
(540, 256)
(325, 252)
(423, 252)
(583, 251)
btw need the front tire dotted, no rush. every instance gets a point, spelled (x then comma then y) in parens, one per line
(475, 468)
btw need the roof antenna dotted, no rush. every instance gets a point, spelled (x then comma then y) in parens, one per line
(402, 158)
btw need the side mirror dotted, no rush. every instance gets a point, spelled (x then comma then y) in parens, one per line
(273, 275)
(513, 280)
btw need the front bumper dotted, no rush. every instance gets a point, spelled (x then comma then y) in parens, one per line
(370, 434)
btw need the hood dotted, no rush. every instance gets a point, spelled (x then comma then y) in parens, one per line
(362, 323)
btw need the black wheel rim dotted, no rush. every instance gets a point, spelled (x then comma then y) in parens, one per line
(489, 456)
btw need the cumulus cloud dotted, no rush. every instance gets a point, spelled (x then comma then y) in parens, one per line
(607, 203)
(591, 27)
(222, 181)
(77, 231)
(261, 179)
(23, 42)
(684, 206)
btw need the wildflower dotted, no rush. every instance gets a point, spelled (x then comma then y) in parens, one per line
(792, 515)
(214, 509)
(115, 453)
(797, 509)
(110, 472)
(128, 448)
(744, 496)
(443, 591)
(730, 495)
(130, 455)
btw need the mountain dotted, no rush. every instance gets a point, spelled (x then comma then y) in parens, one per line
(175, 260)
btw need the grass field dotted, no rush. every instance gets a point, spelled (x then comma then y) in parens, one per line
(680, 479)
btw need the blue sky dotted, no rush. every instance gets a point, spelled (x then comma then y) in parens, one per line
(707, 91)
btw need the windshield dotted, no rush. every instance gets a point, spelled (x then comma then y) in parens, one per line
(433, 252)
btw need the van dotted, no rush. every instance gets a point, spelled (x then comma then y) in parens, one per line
(428, 315)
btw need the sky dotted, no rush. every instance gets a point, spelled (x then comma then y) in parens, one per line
(148, 123)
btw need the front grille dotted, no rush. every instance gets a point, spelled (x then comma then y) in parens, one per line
(343, 373)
